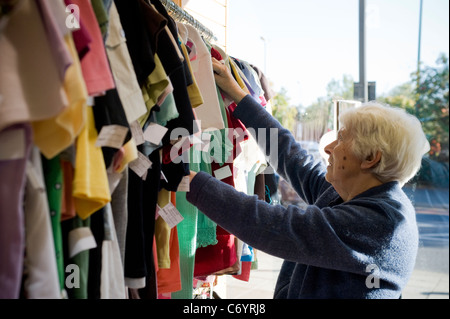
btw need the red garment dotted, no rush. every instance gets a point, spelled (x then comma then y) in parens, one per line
(216, 54)
(246, 266)
(213, 258)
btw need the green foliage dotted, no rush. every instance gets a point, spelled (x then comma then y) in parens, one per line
(431, 92)
(426, 96)
(402, 96)
(283, 111)
(342, 90)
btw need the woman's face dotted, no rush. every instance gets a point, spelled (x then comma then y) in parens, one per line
(343, 166)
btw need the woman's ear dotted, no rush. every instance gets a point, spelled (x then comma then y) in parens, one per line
(371, 161)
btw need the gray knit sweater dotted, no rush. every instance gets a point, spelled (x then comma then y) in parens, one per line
(362, 248)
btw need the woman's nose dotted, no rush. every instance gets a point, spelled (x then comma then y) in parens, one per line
(329, 148)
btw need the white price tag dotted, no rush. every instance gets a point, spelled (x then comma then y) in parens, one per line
(163, 177)
(112, 136)
(141, 165)
(138, 134)
(184, 185)
(154, 133)
(170, 214)
(223, 172)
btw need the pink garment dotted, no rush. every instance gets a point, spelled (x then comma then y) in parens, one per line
(94, 65)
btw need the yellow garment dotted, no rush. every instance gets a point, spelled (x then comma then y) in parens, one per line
(131, 153)
(90, 184)
(194, 92)
(162, 232)
(156, 84)
(55, 134)
(238, 75)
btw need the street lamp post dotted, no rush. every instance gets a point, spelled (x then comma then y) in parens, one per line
(362, 52)
(265, 54)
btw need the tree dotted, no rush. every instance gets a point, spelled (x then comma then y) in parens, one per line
(283, 111)
(401, 96)
(319, 115)
(426, 96)
(342, 90)
(432, 106)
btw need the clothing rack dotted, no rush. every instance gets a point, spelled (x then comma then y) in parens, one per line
(181, 15)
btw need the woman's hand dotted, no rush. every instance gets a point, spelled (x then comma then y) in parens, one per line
(225, 81)
(191, 176)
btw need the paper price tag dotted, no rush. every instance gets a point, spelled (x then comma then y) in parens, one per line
(163, 177)
(141, 165)
(223, 172)
(112, 136)
(171, 215)
(137, 133)
(184, 185)
(154, 133)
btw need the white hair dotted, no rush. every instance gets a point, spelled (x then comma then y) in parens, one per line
(397, 134)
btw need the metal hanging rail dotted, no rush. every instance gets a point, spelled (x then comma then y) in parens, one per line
(182, 16)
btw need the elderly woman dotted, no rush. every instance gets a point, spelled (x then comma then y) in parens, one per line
(358, 236)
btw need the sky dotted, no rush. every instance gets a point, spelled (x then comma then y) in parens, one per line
(302, 45)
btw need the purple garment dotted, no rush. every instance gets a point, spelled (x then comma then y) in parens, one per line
(53, 18)
(12, 225)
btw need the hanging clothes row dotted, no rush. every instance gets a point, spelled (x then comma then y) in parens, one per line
(105, 107)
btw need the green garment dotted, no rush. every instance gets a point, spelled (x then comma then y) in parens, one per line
(101, 15)
(82, 261)
(53, 176)
(206, 228)
(187, 235)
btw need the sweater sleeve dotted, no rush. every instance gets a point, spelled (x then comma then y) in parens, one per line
(314, 236)
(282, 151)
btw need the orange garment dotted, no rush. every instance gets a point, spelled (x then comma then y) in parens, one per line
(169, 279)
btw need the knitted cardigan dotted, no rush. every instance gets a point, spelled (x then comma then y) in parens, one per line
(364, 248)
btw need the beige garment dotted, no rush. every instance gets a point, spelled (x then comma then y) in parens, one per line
(112, 283)
(122, 69)
(30, 85)
(209, 112)
(41, 274)
(55, 134)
